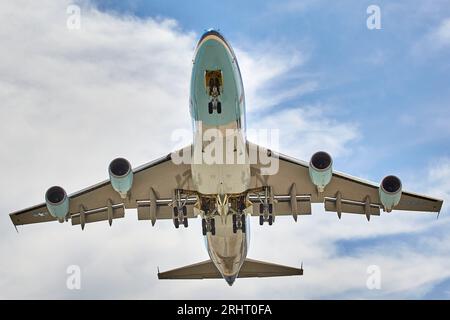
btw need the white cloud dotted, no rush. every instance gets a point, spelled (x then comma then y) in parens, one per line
(439, 180)
(74, 100)
(311, 129)
(264, 69)
(438, 38)
(442, 33)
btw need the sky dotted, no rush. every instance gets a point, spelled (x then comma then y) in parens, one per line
(378, 101)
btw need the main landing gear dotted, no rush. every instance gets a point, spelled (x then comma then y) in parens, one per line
(266, 208)
(180, 217)
(179, 209)
(239, 217)
(208, 221)
(209, 225)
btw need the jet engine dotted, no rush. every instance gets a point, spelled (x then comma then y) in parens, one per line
(121, 176)
(390, 192)
(57, 202)
(320, 169)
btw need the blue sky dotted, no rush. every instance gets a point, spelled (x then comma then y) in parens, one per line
(377, 100)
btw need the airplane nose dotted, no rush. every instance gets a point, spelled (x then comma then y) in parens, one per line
(230, 280)
(211, 32)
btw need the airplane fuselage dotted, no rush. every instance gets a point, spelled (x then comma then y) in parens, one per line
(217, 107)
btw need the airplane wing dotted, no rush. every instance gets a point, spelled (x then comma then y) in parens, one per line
(151, 194)
(293, 192)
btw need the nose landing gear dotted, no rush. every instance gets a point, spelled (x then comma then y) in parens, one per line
(213, 83)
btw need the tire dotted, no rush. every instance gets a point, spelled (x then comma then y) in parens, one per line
(185, 222)
(219, 107)
(243, 224)
(270, 207)
(184, 211)
(213, 227)
(176, 222)
(204, 227)
(270, 220)
(261, 220)
(210, 108)
(175, 212)
(261, 208)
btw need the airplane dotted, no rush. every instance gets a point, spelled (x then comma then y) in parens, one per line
(192, 182)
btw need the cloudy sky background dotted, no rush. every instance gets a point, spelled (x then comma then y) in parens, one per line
(72, 100)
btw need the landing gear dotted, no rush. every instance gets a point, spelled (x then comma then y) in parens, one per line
(266, 208)
(180, 210)
(208, 221)
(213, 79)
(239, 218)
(180, 216)
(210, 108)
(219, 107)
(239, 222)
(214, 104)
(208, 225)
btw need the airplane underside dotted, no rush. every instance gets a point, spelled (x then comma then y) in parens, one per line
(223, 179)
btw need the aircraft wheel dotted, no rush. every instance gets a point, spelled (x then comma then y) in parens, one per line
(175, 212)
(270, 207)
(261, 219)
(270, 220)
(243, 226)
(176, 222)
(219, 107)
(184, 211)
(185, 222)
(204, 227)
(213, 227)
(261, 208)
(210, 108)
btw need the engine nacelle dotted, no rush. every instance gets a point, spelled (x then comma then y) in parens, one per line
(390, 192)
(320, 169)
(121, 176)
(57, 202)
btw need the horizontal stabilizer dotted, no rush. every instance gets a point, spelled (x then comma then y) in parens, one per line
(250, 269)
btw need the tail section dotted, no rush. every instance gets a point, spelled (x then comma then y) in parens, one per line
(250, 269)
